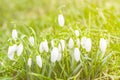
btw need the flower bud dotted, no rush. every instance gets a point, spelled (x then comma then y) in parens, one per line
(39, 61)
(103, 45)
(44, 46)
(19, 49)
(29, 62)
(31, 40)
(70, 43)
(77, 54)
(83, 41)
(54, 54)
(88, 45)
(61, 20)
(11, 51)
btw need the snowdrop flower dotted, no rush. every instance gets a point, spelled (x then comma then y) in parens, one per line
(70, 43)
(39, 61)
(59, 57)
(83, 41)
(76, 33)
(44, 46)
(77, 54)
(14, 34)
(29, 62)
(61, 20)
(54, 54)
(88, 44)
(19, 49)
(103, 45)
(78, 42)
(11, 51)
(31, 40)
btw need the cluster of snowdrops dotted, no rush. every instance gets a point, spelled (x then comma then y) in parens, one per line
(55, 49)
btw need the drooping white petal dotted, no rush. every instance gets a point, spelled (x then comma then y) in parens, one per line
(76, 33)
(70, 43)
(103, 45)
(59, 57)
(45, 45)
(88, 45)
(29, 62)
(31, 40)
(77, 54)
(39, 61)
(83, 41)
(41, 47)
(14, 34)
(54, 54)
(61, 20)
(78, 42)
(11, 51)
(19, 49)
(62, 44)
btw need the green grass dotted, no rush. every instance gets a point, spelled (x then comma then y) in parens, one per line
(94, 19)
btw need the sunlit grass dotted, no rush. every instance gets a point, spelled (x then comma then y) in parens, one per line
(93, 19)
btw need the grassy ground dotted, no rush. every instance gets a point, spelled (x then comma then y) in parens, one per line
(93, 18)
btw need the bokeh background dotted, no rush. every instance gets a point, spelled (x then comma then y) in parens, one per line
(101, 16)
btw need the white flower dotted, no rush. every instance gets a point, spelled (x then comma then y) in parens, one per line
(77, 54)
(11, 51)
(39, 61)
(19, 49)
(83, 41)
(14, 34)
(29, 62)
(86, 43)
(103, 45)
(70, 43)
(54, 54)
(76, 33)
(44, 46)
(78, 42)
(31, 40)
(59, 57)
(61, 20)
